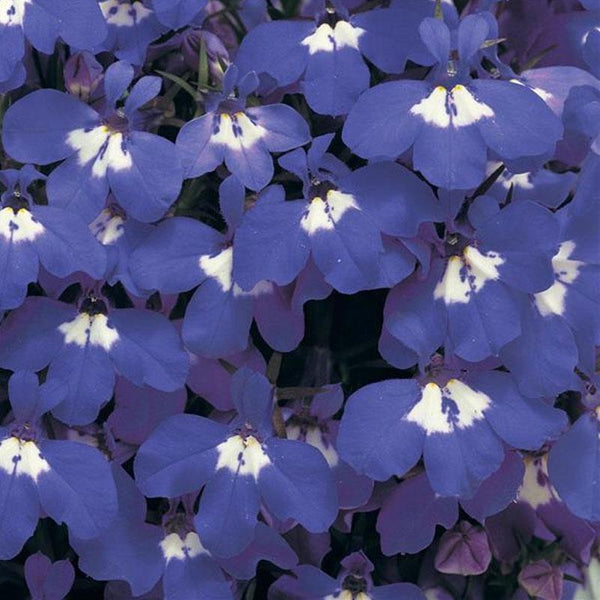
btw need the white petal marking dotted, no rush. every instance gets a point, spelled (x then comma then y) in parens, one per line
(237, 131)
(20, 226)
(242, 456)
(314, 437)
(566, 271)
(467, 275)
(107, 227)
(533, 492)
(22, 458)
(84, 329)
(104, 147)
(442, 410)
(124, 14)
(457, 108)
(328, 39)
(174, 547)
(219, 267)
(12, 12)
(323, 215)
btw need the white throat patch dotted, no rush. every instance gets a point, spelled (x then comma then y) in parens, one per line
(552, 301)
(451, 108)
(467, 275)
(173, 547)
(20, 226)
(107, 227)
(124, 14)
(85, 329)
(323, 215)
(328, 39)
(462, 407)
(12, 12)
(22, 458)
(236, 131)
(104, 147)
(242, 456)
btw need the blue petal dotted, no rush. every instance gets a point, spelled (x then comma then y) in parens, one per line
(262, 48)
(270, 244)
(179, 457)
(380, 123)
(226, 517)
(298, 484)
(147, 189)
(79, 488)
(573, 466)
(149, 350)
(374, 438)
(19, 512)
(168, 259)
(523, 124)
(521, 422)
(35, 128)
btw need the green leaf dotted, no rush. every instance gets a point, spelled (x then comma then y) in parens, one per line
(182, 83)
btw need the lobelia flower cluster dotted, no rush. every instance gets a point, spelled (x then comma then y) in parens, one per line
(300, 300)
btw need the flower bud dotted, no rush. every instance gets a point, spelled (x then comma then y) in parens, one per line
(463, 551)
(82, 74)
(542, 580)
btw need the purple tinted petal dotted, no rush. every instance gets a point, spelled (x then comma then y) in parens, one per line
(410, 514)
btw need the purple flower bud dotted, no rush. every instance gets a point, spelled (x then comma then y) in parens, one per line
(216, 52)
(542, 580)
(463, 551)
(82, 74)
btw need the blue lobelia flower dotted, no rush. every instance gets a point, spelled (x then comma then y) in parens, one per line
(359, 228)
(561, 325)
(242, 462)
(456, 416)
(79, 23)
(67, 481)
(451, 120)
(470, 299)
(354, 581)
(142, 554)
(120, 236)
(33, 235)
(131, 26)
(409, 514)
(103, 151)
(574, 466)
(86, 345)
(538, 506)
(314, 424)
(182, 253)
(326, 53)
(241, 137)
